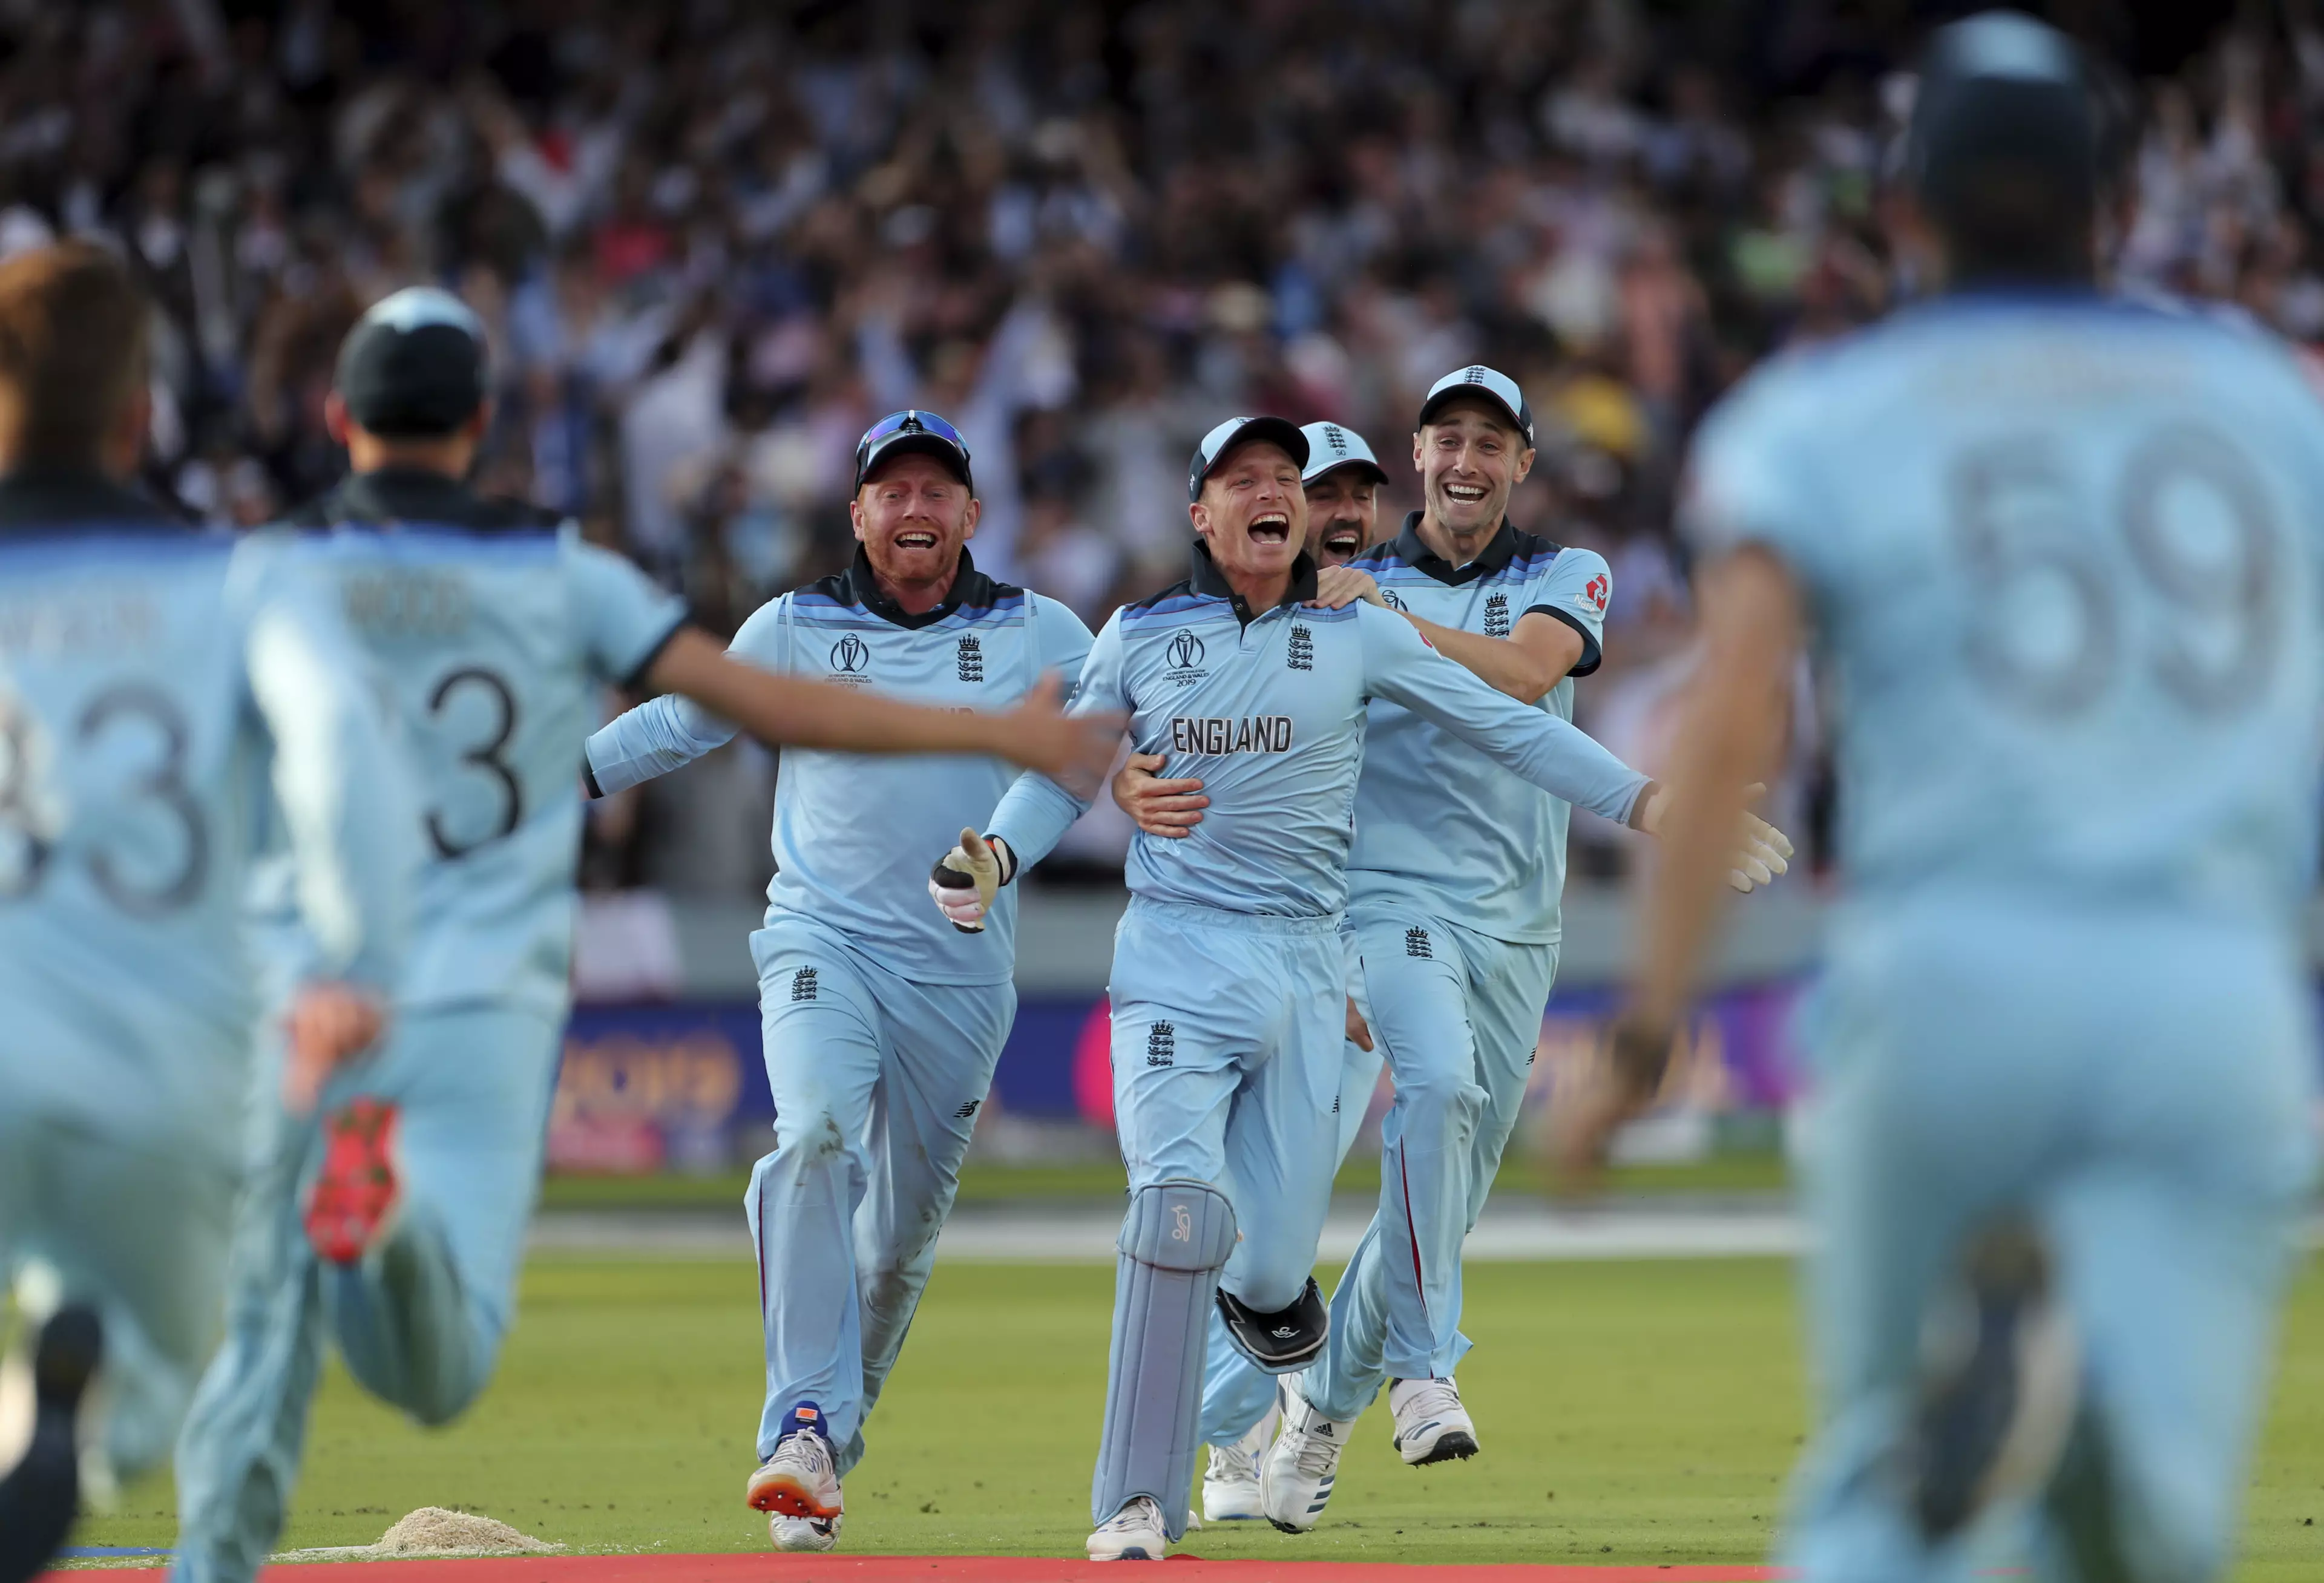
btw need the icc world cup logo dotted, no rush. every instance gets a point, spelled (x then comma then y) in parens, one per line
(1186, 651)
(849, 655)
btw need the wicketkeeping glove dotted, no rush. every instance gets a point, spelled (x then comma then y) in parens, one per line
(965, 881)
(1764, 852)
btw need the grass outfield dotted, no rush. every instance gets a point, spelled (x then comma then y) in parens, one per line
(1636, 1412)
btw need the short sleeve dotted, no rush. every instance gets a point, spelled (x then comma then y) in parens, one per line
(625, 620)
(1575, 588)
(1748, 480)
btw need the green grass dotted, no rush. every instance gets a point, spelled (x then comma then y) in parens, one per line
(984, 1181)
(1632, 1412)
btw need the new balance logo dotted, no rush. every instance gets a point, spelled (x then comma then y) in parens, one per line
(971, 659)
(1162, 1044)
(1301, 655)
(967, 1110)
(803, 984)
(1496, 616)
(1415, 944)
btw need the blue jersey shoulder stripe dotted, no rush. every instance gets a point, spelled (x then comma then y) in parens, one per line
(67, 544)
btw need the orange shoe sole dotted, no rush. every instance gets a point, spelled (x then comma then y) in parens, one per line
(780, 1492)
(356, 1194)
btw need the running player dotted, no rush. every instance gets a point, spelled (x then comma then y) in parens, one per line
(155, 682)
(496, 626)
(883, 1024)
(1228, 979)
(1341, 481)
(2061, 556)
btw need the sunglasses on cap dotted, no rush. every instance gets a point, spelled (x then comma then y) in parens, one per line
(911, 430)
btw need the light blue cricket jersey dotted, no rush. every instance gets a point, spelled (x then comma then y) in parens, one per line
(1269, 708)
(496, 626)
(2060, 557)
(161, 689)
(1439, 824)
(854, 832)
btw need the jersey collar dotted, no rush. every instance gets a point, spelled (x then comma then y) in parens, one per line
(1209, 580)
(858, 585)
(1499, 551)
(36, 498)
(411, 494)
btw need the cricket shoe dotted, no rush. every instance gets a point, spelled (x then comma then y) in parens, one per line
(354, 1202)
(1430, 1424)
(1134, 1533)
(1231, 1482)
(800, 1479)
(2000, 1384)
(1296, 1475)
(41, 1495)
(808, 1534)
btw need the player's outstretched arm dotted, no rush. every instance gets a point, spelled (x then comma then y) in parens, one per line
(1730, 733)
(796, 711)
(659, 735)
(352, 829)
(1539, 652)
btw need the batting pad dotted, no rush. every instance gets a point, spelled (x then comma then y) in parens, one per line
(1174, 1240)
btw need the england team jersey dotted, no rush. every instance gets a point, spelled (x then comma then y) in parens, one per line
(854, 832)
(494, 626)
(2060, 558)
(1270, 709)
(166, 697)
(1438, 822)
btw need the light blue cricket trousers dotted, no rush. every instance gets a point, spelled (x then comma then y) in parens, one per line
(2142, 1084)
(877, 1081)
(1237, 1392)
(420, 1325)
(1457, 1015)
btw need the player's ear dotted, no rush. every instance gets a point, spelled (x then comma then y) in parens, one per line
(968, 518)
(1525, 466)
(1199, 513)
(855, 514)
(335, 417)
(479, 421)
(1419, 443)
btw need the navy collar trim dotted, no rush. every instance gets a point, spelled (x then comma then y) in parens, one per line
(971, 589)
(1499, 551)
(420, 497)
(36, 498)
(1208, 580)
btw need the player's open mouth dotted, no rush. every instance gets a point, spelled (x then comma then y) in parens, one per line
(915, 539)
(1272, 529)
(1342, 541)
(1467, 494)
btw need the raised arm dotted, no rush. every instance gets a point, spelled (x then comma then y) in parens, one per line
(797, 710)
(1401, 666)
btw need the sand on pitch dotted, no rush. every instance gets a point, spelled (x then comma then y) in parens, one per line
(431, 1531)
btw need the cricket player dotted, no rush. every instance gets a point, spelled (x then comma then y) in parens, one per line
(1227, 984)
(1341, 481)
(2060, 554)
(165, 693)
(881, 1023)
(396, 1224)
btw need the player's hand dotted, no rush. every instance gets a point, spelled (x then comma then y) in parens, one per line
(1071, 748)
(1762, 852)
(1161, 807)
(327, 1026)
(1358, 1028)
(1337, 587)
(965, 881)
(1624, 1076)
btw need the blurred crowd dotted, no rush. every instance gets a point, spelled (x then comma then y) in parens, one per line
(712, 240)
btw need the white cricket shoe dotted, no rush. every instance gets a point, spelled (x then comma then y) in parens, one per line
(1295, 1476)
(1134, 1533)
(1230, 1483)
(1430, 1424)
(800, 1479)
(809, 1533)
